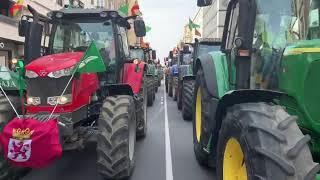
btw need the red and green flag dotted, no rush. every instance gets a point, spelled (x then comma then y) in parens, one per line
(16, 8)
(193, 25)
(91, 62)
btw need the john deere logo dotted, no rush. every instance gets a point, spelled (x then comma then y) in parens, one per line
(87, 60)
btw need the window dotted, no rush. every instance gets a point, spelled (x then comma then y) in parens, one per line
(125, 44)
(59, 2)
(233, 26)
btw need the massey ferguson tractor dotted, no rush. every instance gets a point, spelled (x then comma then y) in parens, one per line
(256, 110)
(104, 103)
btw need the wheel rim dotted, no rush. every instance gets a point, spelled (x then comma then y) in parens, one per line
(234, 167)
(198, 114)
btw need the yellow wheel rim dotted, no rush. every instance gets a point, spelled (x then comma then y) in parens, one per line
(198, 114)
(234, 166)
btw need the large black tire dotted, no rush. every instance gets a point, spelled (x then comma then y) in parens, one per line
(187, 99)
(150, 93)
(141, 105)
(271, 143)
(166, 83)
(179, 97)
(7, 172)
(116, 137)
(156, 84)
(200, 145)
(175, 88)
(170, 87)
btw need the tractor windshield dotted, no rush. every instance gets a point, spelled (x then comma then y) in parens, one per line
(137, 54)
(70, 36)
(279, 23)
(187, 59)
(206, 48)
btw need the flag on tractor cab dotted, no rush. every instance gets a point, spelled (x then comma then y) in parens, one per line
(193, 25)
(92, 61)
(148, 28)
(30, 143)
(124, 9)
(197, 33)
(16, 8)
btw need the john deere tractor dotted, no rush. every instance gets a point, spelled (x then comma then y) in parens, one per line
(150, 76)
(107, 106)
(256, 112)
(185, 82)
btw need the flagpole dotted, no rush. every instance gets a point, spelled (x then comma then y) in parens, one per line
(10, 102)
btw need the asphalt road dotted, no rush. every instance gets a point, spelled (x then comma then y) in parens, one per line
(153, 161)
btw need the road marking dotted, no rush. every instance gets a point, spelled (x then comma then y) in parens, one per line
(169, 174)
(161, 100)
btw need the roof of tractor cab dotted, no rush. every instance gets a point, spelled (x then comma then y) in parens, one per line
(209, 41)
(89, 13)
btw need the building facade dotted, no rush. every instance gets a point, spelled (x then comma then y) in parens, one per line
(11, 44)
(213, 19)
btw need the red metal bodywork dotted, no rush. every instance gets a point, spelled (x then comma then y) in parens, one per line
(82, 87)
(133, 77)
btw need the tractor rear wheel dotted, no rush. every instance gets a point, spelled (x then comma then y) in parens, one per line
(150, 91)
(117, 137)
(141, 106)
(187, 99)
(170, 87)
(7, 172)
(179, 97)
(156, 84)
(262, 141)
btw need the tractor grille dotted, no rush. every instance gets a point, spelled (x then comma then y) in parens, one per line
(312, 90)
(47, 87)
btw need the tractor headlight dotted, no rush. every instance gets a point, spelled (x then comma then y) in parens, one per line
(59, 99)
(31, 74)
(33, 101)
(61, 73)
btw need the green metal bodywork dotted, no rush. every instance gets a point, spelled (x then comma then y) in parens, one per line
(10, 81)
(298, 76)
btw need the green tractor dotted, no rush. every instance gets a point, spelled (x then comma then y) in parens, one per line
(185, 82)
(187, 77)
(173, 74)
(256, 110)
(154, 65)
(150, 76)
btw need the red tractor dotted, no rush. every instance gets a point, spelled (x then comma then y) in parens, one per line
(107, 107)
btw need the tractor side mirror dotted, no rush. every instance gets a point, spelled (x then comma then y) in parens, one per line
(23, 27)
(171, 55)
(203, 3)
(154, 54)
(139, 28)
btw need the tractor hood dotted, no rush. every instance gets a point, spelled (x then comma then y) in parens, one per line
(303, 47)
(46, 64)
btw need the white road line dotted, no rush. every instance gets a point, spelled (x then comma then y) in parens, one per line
(169, 174)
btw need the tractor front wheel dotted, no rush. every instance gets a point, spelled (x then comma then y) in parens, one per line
(259, 140)
(116, 138)
(141, 105)
(150, 91)
(6, 115)
(187, 99)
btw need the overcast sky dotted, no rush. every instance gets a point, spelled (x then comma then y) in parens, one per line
(167, 19)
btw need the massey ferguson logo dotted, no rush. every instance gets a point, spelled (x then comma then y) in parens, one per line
(19, 147)
(43, 73)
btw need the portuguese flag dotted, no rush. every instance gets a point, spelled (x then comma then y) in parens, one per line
(16, 8)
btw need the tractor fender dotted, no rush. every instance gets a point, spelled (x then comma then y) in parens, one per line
(119, 89)
(207, 64)
(189, 78)
(133, 75)
(233, 97)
